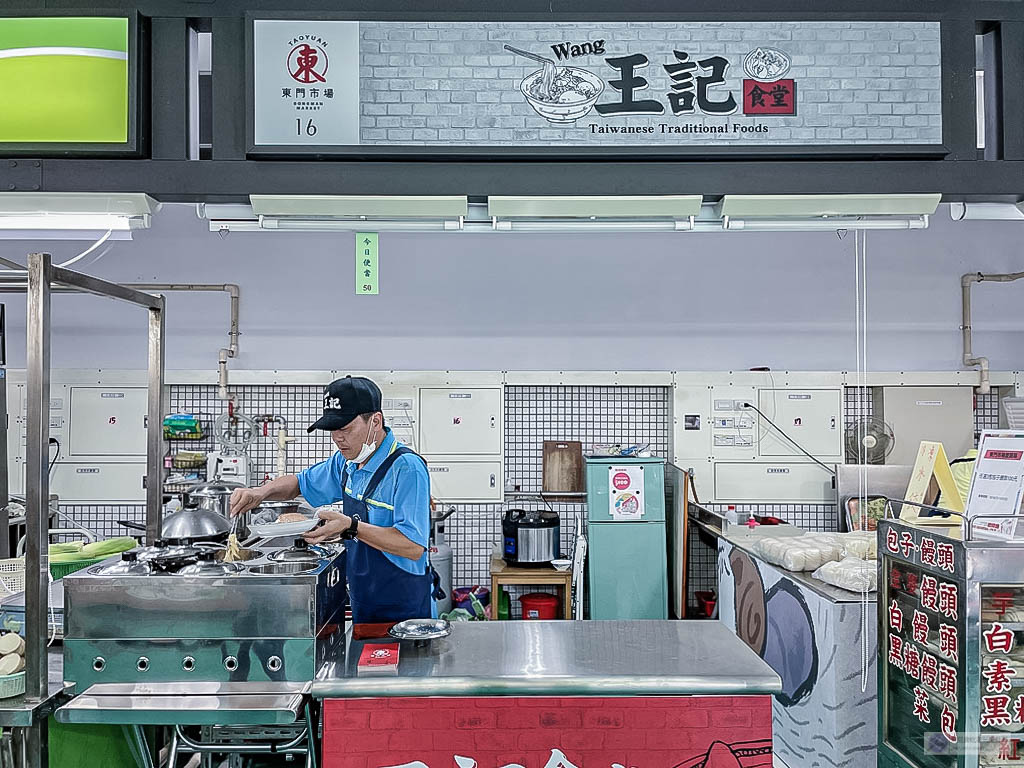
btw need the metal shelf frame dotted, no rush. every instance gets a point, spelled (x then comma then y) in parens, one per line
(39, 281)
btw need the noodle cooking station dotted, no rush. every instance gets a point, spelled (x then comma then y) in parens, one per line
(173, 620)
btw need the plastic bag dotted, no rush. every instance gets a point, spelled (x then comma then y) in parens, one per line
(851, 573)
(862, 544)
(800, 553)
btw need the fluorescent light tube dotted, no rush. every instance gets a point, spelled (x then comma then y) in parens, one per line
(593, 225)
(810, 206)
(94, 221)
(646, 207)
(823, 224)
(360, 225)
(384, 207)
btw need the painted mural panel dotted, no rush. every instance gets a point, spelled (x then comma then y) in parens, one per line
(825, 716)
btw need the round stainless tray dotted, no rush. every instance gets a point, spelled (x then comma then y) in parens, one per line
(421, 629)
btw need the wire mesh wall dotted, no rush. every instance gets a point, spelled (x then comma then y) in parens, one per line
(592, 415)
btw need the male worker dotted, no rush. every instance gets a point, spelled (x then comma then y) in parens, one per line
(385, 491)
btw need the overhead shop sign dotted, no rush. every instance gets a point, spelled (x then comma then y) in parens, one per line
(324, 84)
(64, 80)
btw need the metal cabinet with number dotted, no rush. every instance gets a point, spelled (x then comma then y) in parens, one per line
(461, 438)
(951, 648)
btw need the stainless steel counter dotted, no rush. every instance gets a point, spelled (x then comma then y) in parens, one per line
(576, 658)
(744, 539)
(17, 711)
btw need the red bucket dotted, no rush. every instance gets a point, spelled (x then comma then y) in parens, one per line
(538, 605)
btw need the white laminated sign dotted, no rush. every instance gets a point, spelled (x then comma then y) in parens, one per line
(997, 485)
(626, 492)
(305, 82)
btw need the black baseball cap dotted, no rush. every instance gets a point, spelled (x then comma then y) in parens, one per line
(346, 398)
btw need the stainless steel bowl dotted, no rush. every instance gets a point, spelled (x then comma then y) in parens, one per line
(421, 629)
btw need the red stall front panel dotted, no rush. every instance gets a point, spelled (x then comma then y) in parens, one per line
(570, 732)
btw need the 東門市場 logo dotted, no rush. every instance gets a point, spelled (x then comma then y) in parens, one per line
(307, 60)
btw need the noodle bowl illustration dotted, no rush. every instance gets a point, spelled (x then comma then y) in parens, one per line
(571, 94)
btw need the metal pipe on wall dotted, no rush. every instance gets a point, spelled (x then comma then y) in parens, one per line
(231, 350)
(966, 281)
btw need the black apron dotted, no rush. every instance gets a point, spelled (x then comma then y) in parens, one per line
(379, 591)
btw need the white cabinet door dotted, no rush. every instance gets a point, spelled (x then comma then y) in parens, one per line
(108, 421)
(460, 421)
(455, 481)
(811, 417)
(99, 483)
(761, 483)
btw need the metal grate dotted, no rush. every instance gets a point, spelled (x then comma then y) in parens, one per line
(533, 414)
(986, 413)
(592, 415)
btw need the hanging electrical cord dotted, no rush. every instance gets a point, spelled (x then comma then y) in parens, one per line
(75, 259)
(56, 455)
(87, 251)
(799, 447)
(861, 303)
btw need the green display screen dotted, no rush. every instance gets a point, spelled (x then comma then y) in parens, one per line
(64, 79)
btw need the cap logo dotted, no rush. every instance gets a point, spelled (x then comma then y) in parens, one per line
(332, 402)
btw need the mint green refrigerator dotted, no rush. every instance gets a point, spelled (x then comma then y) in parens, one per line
(626, 538)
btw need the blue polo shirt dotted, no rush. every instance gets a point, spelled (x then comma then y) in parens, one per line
(401, 501)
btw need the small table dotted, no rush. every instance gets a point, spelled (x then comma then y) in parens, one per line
(504, 574)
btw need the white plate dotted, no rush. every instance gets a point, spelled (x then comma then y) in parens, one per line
(284, 529)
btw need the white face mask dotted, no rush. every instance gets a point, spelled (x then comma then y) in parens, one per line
(368, 448)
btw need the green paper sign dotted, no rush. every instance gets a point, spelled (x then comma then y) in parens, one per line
(64, 79)
(366, 264)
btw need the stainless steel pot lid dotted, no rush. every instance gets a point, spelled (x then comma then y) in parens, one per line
(421, 629)
(299, 552)
(162, 549)
(195, 523)
(215, 489)
(208, 565)
(128, 565)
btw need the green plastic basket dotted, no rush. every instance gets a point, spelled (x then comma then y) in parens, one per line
(12, 685)
(60, 570)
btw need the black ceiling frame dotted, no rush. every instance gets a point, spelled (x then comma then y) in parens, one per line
(953, 168)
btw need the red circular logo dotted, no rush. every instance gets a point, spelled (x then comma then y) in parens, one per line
(307, 63)
(620, 481)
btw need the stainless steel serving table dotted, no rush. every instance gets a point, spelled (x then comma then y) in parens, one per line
(18, 711)
(272, 703)
(564, 658)
(745, 541)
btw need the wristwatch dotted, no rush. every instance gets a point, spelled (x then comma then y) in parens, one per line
(352, 530)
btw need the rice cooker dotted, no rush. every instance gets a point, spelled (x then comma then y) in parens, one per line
(530, 537)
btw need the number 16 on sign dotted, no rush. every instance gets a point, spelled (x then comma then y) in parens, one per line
(366, 264)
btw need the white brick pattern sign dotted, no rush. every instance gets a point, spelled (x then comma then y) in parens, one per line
(643, 84)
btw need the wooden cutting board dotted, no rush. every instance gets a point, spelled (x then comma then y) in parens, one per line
(563, 466)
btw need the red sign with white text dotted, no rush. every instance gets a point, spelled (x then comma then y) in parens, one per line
(578, 732)
(777, 98)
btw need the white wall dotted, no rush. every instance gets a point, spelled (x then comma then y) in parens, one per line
(524, 301)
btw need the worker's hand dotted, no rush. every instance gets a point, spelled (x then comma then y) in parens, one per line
(244, 499)
(334, 523)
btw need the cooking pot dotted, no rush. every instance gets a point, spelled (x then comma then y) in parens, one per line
(209, 565)
(168, 557)
(190, 525)
(214, 495)
(530, 537)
